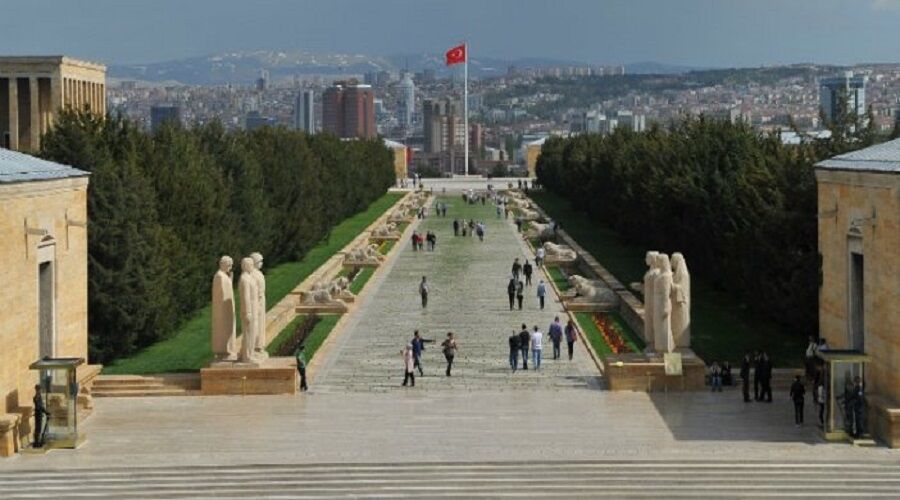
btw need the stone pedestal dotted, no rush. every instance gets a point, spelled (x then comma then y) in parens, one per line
(647, 373)
(884, 419)
(271, 376)
(8, 435)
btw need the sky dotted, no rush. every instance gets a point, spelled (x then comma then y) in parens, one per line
(699, 33)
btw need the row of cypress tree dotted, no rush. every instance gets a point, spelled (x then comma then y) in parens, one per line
(739, 204)
(163, 208)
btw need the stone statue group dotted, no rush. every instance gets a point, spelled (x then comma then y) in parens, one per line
(252, 291)
(667, 302)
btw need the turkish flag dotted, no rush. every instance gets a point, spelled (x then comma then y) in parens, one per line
(456, 55)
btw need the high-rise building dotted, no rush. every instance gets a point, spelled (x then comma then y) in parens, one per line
(847, 86)
(33, 90)
(443, 125)
(163, 114)
(348, 110)
(407, 106)
(305, 112)
(262, 83)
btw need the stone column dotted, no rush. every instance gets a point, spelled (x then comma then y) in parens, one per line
(34, 92)
(103, 98)
(56, 99)
(13, 113)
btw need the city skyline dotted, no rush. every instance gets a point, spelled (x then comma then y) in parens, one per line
(697, 33)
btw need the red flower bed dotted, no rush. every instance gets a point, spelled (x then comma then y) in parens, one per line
(611, 334)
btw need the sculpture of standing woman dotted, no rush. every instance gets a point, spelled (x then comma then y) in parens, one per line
(261, 305)
(649, 298)
(662, 306)
(223, 327)
(249, 293)
(681, 301)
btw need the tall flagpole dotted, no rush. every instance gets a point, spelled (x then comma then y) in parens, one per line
(466, 103)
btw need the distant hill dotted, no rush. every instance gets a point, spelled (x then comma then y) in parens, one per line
(244, 67)
(655, 68)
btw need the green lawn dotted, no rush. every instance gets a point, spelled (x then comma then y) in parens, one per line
(559, 278)
(313, 341)
(284, 335)
(360, 280)
(318, 334)
(187, 350)
(721, 329)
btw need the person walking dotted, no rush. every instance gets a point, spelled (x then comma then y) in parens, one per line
(745, 377)
(449, 345)
(541, 293)
(537, 346)
(301, 367)
(571, 337)
(514, 351)
(409, 375)
(418, 345)
(414, 239)
(555, 333)
(511, 291)
(479, 228)
(520, 293)
(539, 256)
(519, 224)
(798, 391)
(527, 270)
(423, 292)
(524, 344)
(765, 378)
(516, 268)
(455, 227)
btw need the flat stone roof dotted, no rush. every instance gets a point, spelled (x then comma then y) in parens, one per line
(52, 59)
(20, 167)
(882, 158)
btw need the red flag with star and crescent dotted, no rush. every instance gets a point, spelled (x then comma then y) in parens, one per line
(456, 55)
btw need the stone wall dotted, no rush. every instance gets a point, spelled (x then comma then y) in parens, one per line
(848, 199)
(49, 215)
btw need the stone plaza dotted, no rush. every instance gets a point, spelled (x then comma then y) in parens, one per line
(483, 432)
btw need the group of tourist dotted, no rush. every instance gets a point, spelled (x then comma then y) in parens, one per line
(412, 356)
(519, 278)
(523, 341)
(469, 228)
(419, 242)
(441, 209)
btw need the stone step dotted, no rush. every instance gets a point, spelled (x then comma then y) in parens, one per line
(142, 392)
(529, 479)
(149, 385)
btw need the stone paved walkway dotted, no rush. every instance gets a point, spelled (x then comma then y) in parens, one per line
(468, 297)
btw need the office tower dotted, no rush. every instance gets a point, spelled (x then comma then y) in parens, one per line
(305, 112)
(348, 110)
(407, 108)
(832, 90)
(163, 114)
(262, 83)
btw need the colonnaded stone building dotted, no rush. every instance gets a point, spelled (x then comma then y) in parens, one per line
(34, 89)
(859, 240)
(43, 247)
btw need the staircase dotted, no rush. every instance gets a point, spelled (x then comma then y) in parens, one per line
(465, 480)
(110, 386)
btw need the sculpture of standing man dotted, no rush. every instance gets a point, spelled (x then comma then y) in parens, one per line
(260, 278)
(662, 306)
(249, 293)
(681, 301)
(223, 327)
(649, 297)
